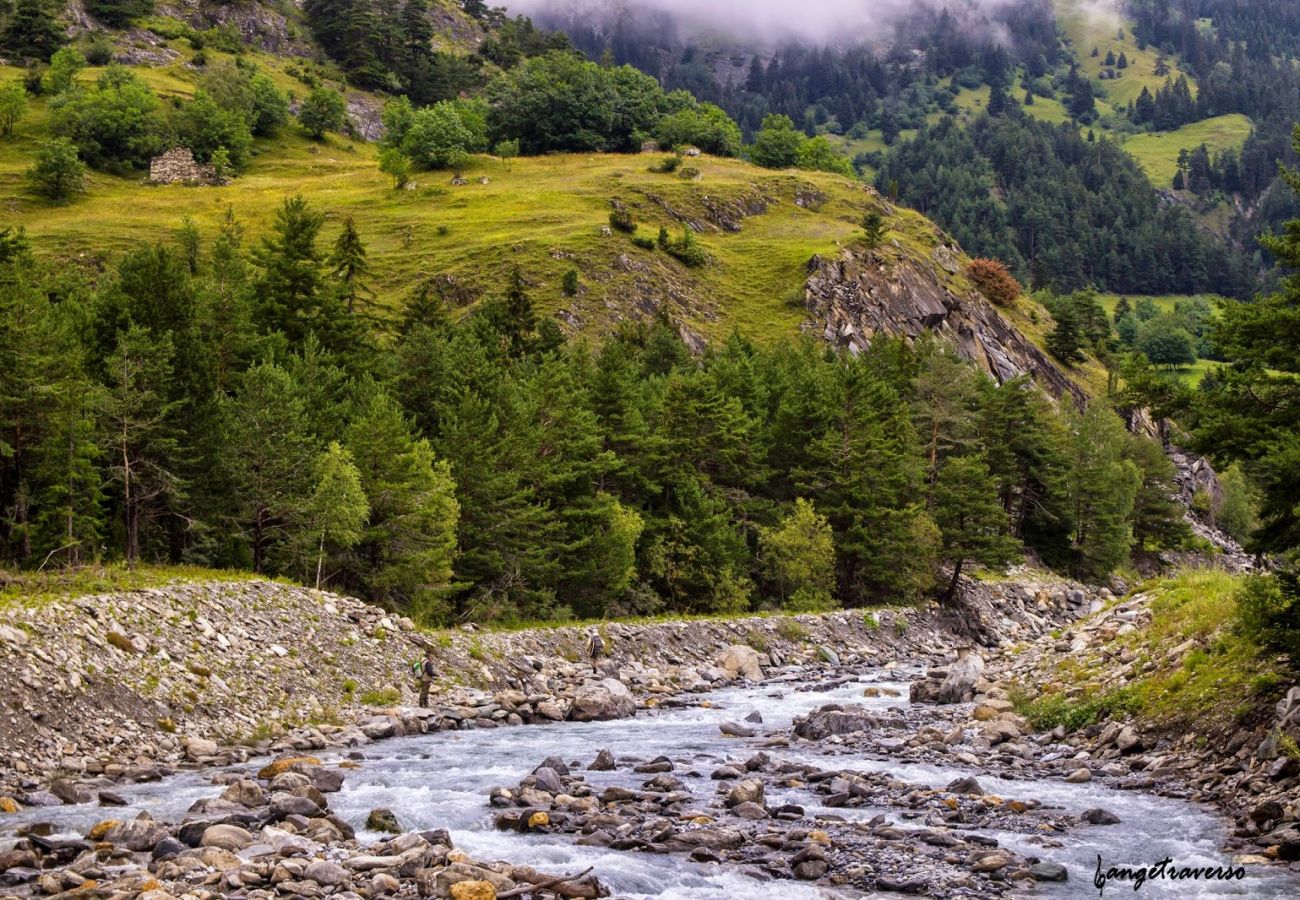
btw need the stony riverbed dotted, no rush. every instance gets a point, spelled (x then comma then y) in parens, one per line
(830, 787)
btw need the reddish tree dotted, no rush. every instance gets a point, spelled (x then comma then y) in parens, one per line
(994, 281)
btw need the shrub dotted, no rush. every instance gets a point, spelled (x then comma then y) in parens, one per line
(388, 696)
(690, 173)
(58, 172)
(1268, 612)
(687, 248)
(621, 220)
(99, 49)
(792, 630)
(115, 125)
(992, 279)
(667, 165)
(570, 284)
(705, 126)
(443, 136)
(395, 163)
(643, 242)
(206, 126)
(323, 110)
(756, 640)
(13, 104)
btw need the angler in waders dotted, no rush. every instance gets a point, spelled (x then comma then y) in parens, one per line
(424, 672)
(595, 649)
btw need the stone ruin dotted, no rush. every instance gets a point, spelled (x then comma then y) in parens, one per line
(178, 166)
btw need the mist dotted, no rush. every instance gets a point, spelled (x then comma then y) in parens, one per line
(816, 21)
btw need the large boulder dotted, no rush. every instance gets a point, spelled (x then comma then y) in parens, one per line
(606, 699)
(959, 686)
(740, 661)
(832, 719)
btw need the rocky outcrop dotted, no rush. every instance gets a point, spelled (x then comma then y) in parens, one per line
(855, 295)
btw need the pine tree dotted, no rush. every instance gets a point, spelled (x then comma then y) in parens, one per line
(1103, 488)
(1063, 341)
(972, 524)
(406, 552)
(798, 557)
(349, 266)
(268, 453)
(873, 229)
(33, 31)
(143, 440)
(290, 292)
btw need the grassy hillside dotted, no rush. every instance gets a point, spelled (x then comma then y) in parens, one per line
(1158, 152)
(544, 215)
(1101, 26)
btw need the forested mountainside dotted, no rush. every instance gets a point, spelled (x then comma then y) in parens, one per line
(1202, 94)
(554, 380)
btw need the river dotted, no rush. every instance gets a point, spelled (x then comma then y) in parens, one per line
(441, 780)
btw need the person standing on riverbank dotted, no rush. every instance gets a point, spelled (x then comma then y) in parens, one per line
(595, 649)
(426, 675)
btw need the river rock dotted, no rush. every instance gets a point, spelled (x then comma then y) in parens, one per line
(750, 790)
(967, 785)
(200, 748)
(1079, 776)
(1049, 871)
(226, 837)
(607, 699)
(137, 835)
(748, 810)
(245, 793)
(548, 779)
(326, 873)
(1099, 816)
(832, 719)
(959, 685)
(473, 890)
(69, 792)
(741, 661)
(604, 762)
(731, 729)
(384, 820)
(1128, 740)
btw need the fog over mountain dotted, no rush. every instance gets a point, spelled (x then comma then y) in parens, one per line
(774, 20)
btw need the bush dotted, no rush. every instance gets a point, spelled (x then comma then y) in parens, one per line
(323, 110)
(99, 49)
(118, 13)
(666, 165)
(443, 136)
(1268, 612)
(621, 220)
(690, 173)
(705, 126)
(58, 173)
(992, 279)
(115, 125)
(205, 126)
(570, 285)
(643, 242)
(687, 248)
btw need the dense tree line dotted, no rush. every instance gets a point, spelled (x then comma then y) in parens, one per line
(1246, 63)
(227, 402)
(390, 47)
(1064, 211)
(848, 86)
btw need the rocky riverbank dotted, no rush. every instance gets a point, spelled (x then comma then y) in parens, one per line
(98, 690)
(1247, 766)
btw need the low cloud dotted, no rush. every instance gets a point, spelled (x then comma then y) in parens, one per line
(809, 20)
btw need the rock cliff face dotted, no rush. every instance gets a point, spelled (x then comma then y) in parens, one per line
(853, 296)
